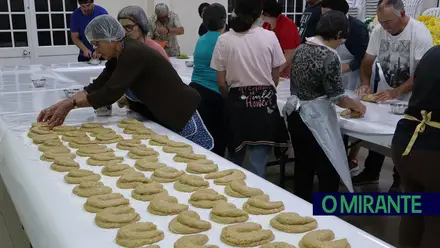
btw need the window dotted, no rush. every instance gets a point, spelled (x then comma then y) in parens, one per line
(13, 24)
(291, 8)
(53, 21)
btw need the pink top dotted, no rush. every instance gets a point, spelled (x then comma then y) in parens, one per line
(248, 58)
(152, 44)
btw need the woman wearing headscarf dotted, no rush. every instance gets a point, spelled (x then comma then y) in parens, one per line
(316, 84)
(158, 92)
(204, 78)
(416, 150)
(247, 60)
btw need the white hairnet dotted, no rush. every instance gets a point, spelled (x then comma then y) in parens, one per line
(104, 28)
(137, 15)
(161, 9)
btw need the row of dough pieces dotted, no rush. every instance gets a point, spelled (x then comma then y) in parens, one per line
(187, 221)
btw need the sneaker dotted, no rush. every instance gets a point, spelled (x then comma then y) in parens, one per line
(354, 168)
(364, 178)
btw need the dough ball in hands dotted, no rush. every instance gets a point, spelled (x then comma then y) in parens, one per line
(116, 217)
(97, 203)
(78, 176)
(246, 235)
(226, 176)
(206, 198)
(188, 222)
(64, 165)
(193, 241)
(89, 189)
(352, 114)
(116, 169)
(293, 223)
(131, 179)
(261, 205)
(190, 183)
(239, 189)
(322, 239)
(166, 175)
(146, 192)
(165, 205)
(227, 213)
(138, 234)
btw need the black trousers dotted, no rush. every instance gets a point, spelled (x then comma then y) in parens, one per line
(82, 58)
(374, 164)
(212, 111)
(310, 159)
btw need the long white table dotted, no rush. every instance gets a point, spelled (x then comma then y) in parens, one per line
(54, 218)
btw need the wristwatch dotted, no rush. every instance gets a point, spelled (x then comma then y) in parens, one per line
(75, 105)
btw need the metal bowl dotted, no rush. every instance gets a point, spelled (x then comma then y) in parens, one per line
(189, 63)
(70, 92)
(39, 83)
(398, 108)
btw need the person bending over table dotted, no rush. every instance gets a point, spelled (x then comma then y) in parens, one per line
(204, 78)
(312, 120)
(285, 30)
(247, 61)
(398, 43)
(165, 26)
(416, 152)
(79, 20)
(309, 19)
(156, 90)
(202, 29)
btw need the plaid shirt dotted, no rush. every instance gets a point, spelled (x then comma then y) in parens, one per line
(173, 48)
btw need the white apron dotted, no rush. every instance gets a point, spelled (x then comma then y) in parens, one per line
(320, 117)
(383, 86)
(352, 79)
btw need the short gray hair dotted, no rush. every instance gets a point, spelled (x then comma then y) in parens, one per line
(161, 9)
(397, 5)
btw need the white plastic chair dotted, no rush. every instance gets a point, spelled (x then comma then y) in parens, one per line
(432, 12)
(413, 7)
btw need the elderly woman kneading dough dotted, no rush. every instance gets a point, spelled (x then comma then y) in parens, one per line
(156, 90)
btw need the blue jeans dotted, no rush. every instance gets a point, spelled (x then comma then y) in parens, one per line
(258, 158)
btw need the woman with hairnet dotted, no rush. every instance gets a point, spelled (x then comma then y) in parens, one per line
(154, 88)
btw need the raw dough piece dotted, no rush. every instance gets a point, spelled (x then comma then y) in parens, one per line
(36, 131)
(200, 168)
(206, 198)
(261, 205)
(277, 245)
(131, 179)
(322, 239)
(146, 192)
(104, 159)
(165, 205)
(177, 147)
(99, 131)
(40, 139)
(190, 183)
(139, 234)
(116, 217)
(143, 134)
(116, 169)
(166, 175)
(159, 140)
(227, 213)
(64, 129)
(50, 144)
(188, 222)
(239, 189)
(51, 155)
(133, 129)
(368, 98)
(187, 157)
(90, 151)
(89, 189)
(40, 124)
(226, 176)
(85, 142)
(142, 152)
(57, 149)
(90, 127)
(97, 203)
(348, 113)
(109, 138)
(193, 241)
(126, 122)
(246, 235)
(64, 165)
(293, 223)
(78, 176)
(128, 144)
(74, 135)
(146, 165)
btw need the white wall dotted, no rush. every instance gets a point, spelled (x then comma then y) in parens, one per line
(114, 6)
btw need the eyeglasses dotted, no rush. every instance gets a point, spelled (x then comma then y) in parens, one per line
(129, 27)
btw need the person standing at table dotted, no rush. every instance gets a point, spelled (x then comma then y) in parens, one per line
(158, 92)
(202, 29)
(309, 19)
(398, 44)
(247, 60)
(204, 78)
(315, 84)
(416, 150)
(78, 22)
(285, 30)
(165, 26)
